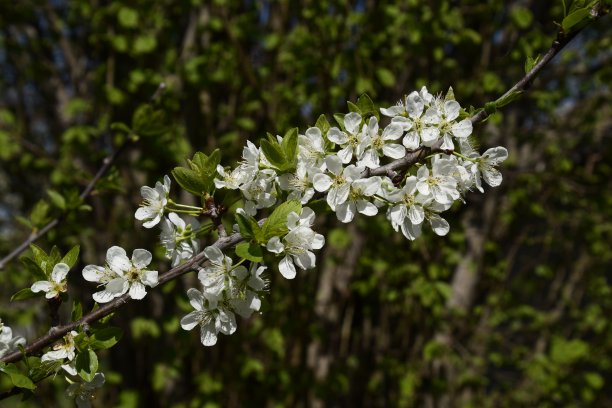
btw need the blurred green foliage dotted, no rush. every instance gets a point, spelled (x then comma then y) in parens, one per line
(511, 309)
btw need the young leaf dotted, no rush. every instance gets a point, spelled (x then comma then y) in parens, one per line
(323, 124)
(531, 62)
(26, 293)
(353, 108)
(365, 104)
(289, 146)
(249, 251)
(273, 153)
(17, 378)
(57, 199)
(339, 117)
(276, 224)
(87, 364)
(189, 180)
(40, 256)
(244, 226)
(574, 18)
(72, 256)
(33, 268)
(77, 311)
(106, 337)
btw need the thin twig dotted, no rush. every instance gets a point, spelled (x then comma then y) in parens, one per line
(106, 164)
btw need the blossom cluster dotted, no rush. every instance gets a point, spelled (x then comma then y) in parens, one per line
(340, 165)
(357, 167)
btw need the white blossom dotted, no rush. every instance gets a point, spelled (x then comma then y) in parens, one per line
(349, 141)
(299, 184)
(298, 244)
(65, 349)
(212, 317)
(236, 178)
(121, 274)
(154, 203)
(439, 183)
(8, 343)
(338, 183)
(258, 192)
(56, 285)
(178, 237)
(215, 276)
(485, 166)
(358, 200)
(311, 148)
(376, 145)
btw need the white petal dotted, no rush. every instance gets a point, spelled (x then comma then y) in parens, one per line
(346, 154)
(292, 220)
(274, 245)
(345, 212)
(117, 286)
(318, 241)
(60, 271)
(439, 225)
(214, 254)
(196, 299)
(367, 208)
(141, 258)
(41, 286)
(451, 110)
(431, 116)
(430, 135)
(338, 195)
(492, 177)
(334, 164)
(393, 132)
(337, 136)
(314, 134)
(306, 260)
(93, 273)
(416, 214)
(286, 268)
(462, 129)
(411, 140)
(137, 291)
(395, 151)
(208, 335)
(496, 155)
(352, 121)
(414, 105)
(103, 296)
(150, 278)
(321, 182)
(117, 259)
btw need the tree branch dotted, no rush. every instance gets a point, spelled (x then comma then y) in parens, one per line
(558, 44)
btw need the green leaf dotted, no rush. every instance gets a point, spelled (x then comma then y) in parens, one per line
(72, 256)
(106, 338)
(87, 364)
(273, 153)
(450, 95)
(506, 99)
(189, 180)
(57, 199)
(17, 378)
(289, 146)
(339, 117)
(120, 127)
(77, 311)
(574, 18)
(385, 77)
(40, 255)
(353, 108)
(249, 251)
(41, 370)
(33, 268)
(531, 62)
(26, 293)
(323, 124)
(245, 227)
(39, 214)
(366, 105)
(276, 224)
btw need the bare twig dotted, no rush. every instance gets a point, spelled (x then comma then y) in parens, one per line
(106, 164)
